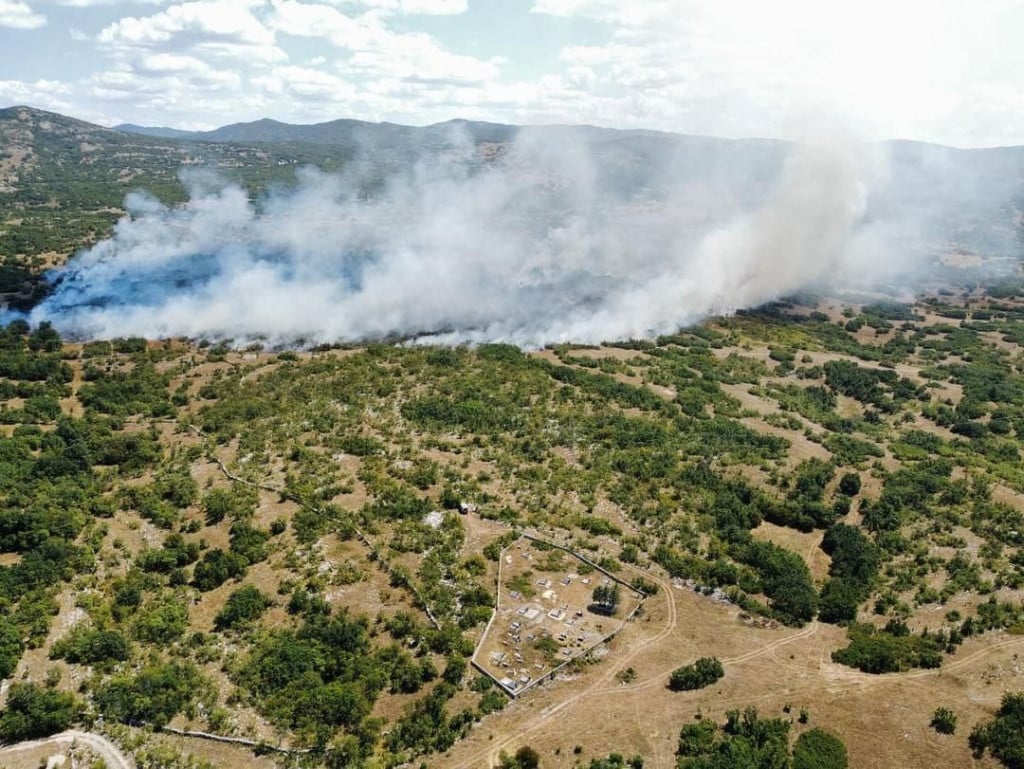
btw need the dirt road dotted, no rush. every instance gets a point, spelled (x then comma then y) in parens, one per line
(101, 746)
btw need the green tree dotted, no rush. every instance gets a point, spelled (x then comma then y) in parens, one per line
(606, 599)
(216, 568)
(44, 338)
(89, 646)
(1003, 736)
(248, 542)
(162, 620)
(10, 647)
(617, 761)
(745, 741)
(849, 484)
(524, 758)
(35, 711)
(154, 695)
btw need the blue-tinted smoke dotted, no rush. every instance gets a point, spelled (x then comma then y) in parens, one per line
(545, 246)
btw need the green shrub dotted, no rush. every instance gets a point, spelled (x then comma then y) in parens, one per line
(243, 606)
(818, 749)
(943, 721)
(701, 673)
(161, 620)
(888, 651)
(89, 646)
(216, 568)
(10, 647)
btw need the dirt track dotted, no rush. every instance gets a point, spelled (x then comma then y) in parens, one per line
(101, 746)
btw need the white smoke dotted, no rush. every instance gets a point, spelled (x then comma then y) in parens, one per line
(543, 246)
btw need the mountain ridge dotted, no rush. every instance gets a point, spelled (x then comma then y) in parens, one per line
(159, 132)
(270, 130)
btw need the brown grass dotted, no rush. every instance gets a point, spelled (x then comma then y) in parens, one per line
(883, 719)
(805, 544)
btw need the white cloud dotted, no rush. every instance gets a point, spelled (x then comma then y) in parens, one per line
(195, 71)
(48, 94)
(218, 19)
(100, 3)
(306, 84)
(15, 14)
(425, 7)
(214, 34)
(912, 68)
(950, 72)
(589, 8)
(314, 20)
(374, 50)
(151, 96)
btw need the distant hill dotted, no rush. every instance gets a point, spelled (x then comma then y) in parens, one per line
(334, 132)
(962, 178)
(161, 132)
(63, 181)
(972, 197)
(626, 159)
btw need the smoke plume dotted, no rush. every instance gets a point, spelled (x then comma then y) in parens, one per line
(560, 239)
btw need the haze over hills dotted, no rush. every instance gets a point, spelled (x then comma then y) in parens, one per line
(948, 171)
(968, 180)
(700, 153)
(530, 234)
(160, 132)
(950, 174)
(346, 129)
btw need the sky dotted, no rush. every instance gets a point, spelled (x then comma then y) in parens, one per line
(945, 71)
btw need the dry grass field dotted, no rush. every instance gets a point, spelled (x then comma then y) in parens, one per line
(883, 719)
